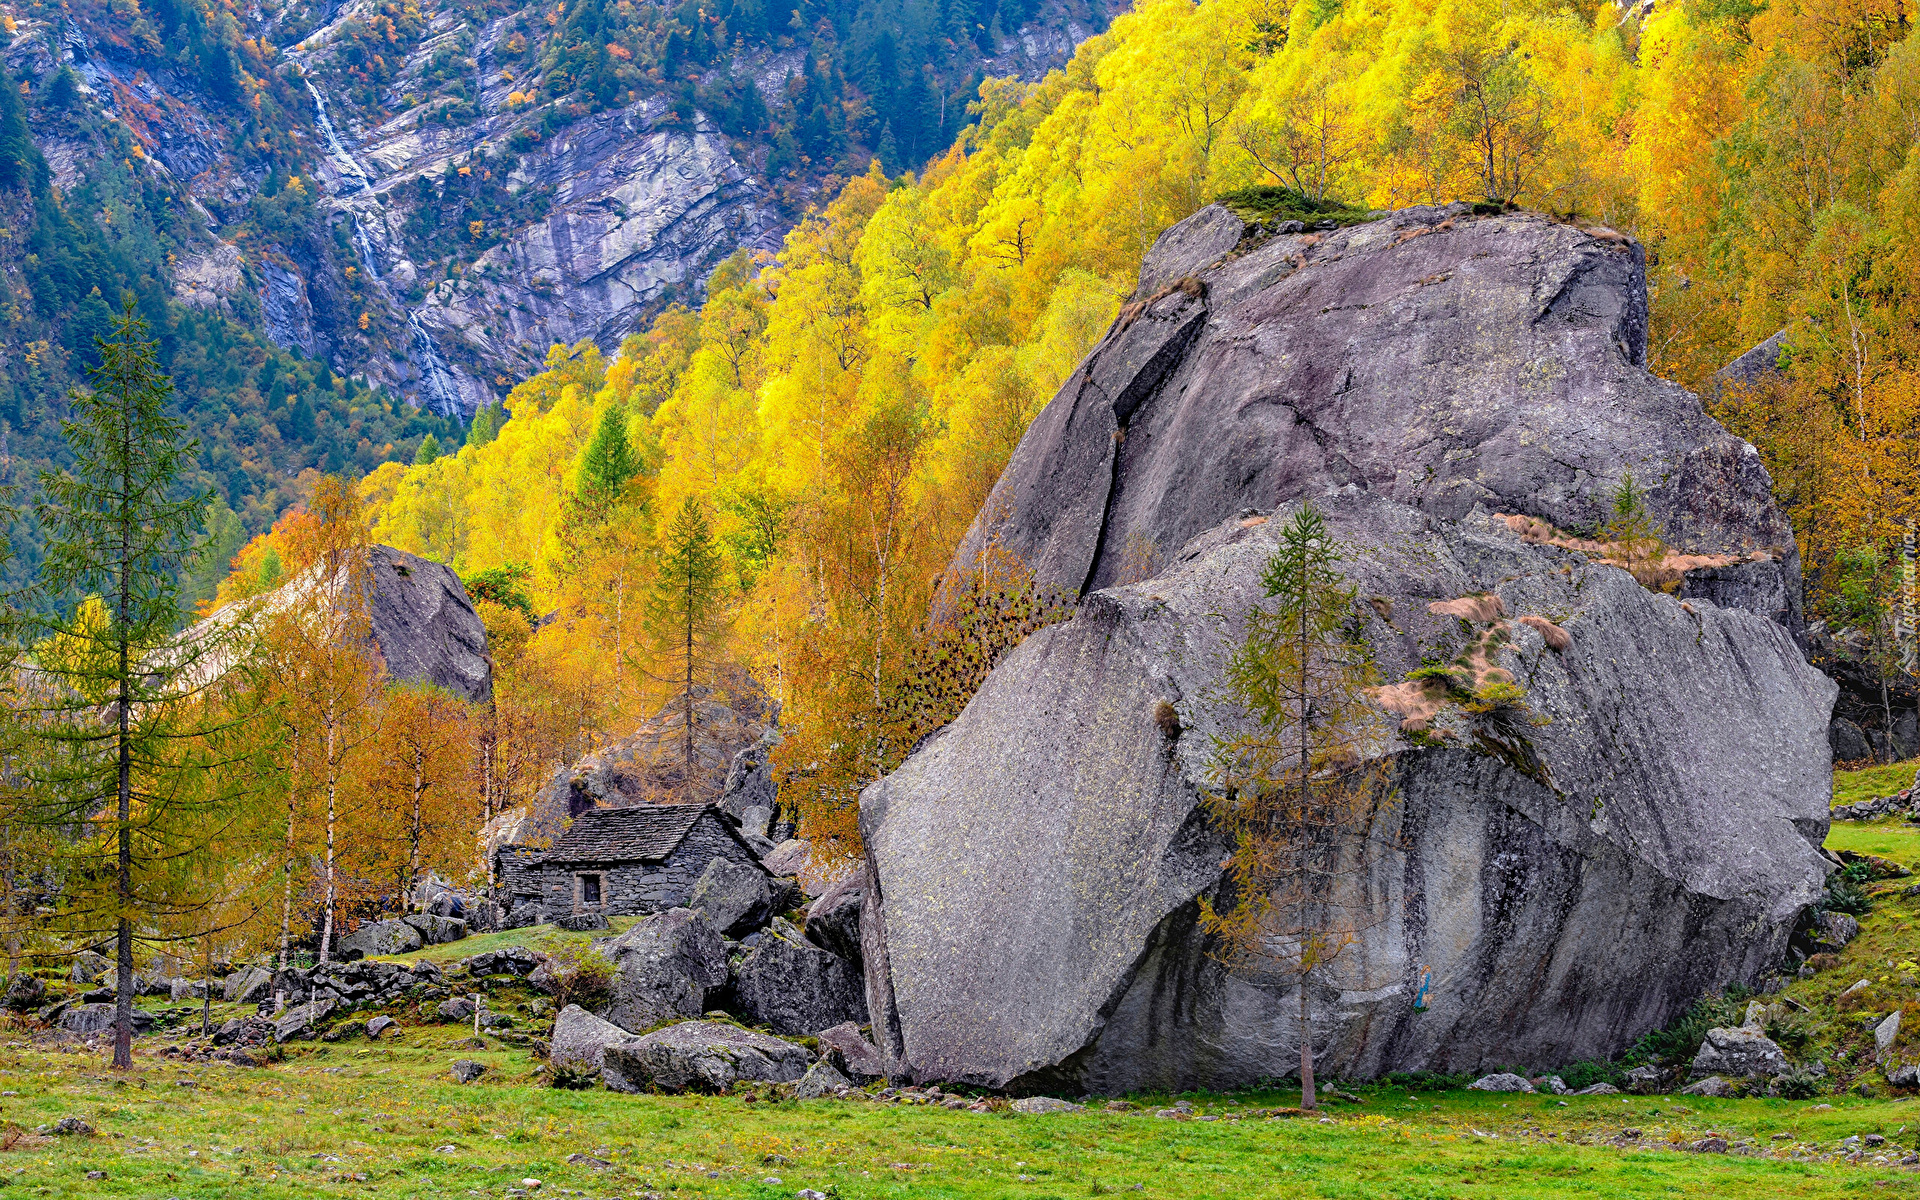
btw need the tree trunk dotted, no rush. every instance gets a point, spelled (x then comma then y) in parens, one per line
(123, 879)
(286, 865)
(1308, 1100)
(413, 847)
(333, 788)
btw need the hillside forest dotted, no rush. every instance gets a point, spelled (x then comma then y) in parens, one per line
(810, 445)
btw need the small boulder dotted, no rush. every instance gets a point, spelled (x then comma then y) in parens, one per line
(1885, 1032)
(1835, 929)
(1047, 1104)
(525, 915)
(189, 989)
(820, 1080)
(382, 937)
(511, 960)
(71, 1127)
(1645, 1081)
(25, 992)
(465, 1070)
(1599, 1089)
(379, 1025)
(98, 1018)
(436, 930)
(788, 858)
(300, 1020)
(457, 1009)
(1712, 1085)
(1905, 1075)
(581, 1039)
(706, 1056)
(581, 922)
(1711, 1145)
(663, 968)
(792, 986)
(246, 986)
(735, 896)
(851, 1053)
(1738, 1054)
(1504, 1081)
(89, 966)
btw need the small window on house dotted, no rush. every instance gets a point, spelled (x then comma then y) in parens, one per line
(589, 889)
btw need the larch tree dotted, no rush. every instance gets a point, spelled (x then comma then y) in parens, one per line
(138, 753)
(1306, 817)
(686, 611)
(423, 761)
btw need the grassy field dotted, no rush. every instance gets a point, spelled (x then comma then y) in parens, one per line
(384, 1120)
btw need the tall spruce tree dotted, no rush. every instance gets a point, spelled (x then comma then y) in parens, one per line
(1306, 818)
(608, 464)
(132, 766)
(686, 610)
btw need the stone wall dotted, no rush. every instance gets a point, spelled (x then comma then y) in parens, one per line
(627, 889)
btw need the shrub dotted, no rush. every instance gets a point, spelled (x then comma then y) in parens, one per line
(1681, 1039)
(573, 1076)
(583, 977)
(1798, 1083)
(1587, 1072)
(1824, 961)
(1847, 896)
(1791, 1033)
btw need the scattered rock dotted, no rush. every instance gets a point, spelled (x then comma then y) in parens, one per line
(524, 915)
(1835, 929)
(1742, 1053)
(581, 922)
(188, 989)
(98, 1018)
(1645, 1081)
(1045, 1104)
(1504, 1081)
(246, 986)
(457, 1009)
(436, 929)
(735, 896)
(1712, 1145)
(25, 992)
(379, 1025)
(512, 960)
(465, 1070)
(382, 937)
(1905, 1075)
(581, 1039)
(71, 1127)
(1712, 1085)
(1599, 1089)
(588, 1161)
(701, 1056)
(820, 1080)
(663, 968)
(792, 986)
(244, 1031)
(1885, 1032)
(851, 1053)
(299, 1021)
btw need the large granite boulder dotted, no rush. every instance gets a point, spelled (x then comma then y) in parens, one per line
(794, 987)
(663, 968)
(246, 986)
(580, 1039)
(381, 937)
(703, 1056)
(833, 921)
(1740, 1053)
(1563, 886)
(736, 897)
(98, 1018)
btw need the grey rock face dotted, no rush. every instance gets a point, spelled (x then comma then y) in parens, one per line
(833, 921)
(98, 1018)
(424, 625)
(792, 986)
(735, 896)
(246, 986)
(1038, 863)
(379, 1025)
(704, 1056)
(1835, 929)
(663, 967)
(188, 989)
(581, 922)
(300, 1020)
(382, 937)
(524, 915)
(89, 966)
(852, 1053)
(1739, 1054)
(25, 991)
(581, 1038)
(1712, 1085)
(436, 930)
(750, 784)
(789, 857)
(1458, 368)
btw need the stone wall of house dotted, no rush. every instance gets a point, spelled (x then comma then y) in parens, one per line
(632, 888)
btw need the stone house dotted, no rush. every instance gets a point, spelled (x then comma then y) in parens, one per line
(642, 859)
(516, 875)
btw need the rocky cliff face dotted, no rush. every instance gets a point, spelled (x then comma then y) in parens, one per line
(1440, 385)
(469, 191)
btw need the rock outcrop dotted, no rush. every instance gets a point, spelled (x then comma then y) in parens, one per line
(663, 968)
(705, 1056)
(1573, 870)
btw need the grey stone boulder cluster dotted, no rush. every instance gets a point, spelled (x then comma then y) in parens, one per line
(401, 935)
(1573, 870)
(313, 994)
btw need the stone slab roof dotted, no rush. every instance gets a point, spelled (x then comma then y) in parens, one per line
(642, 833)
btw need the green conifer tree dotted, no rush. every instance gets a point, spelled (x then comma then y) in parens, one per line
(686, 610)
(134, 754)
(608, 463)
(428, 451)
